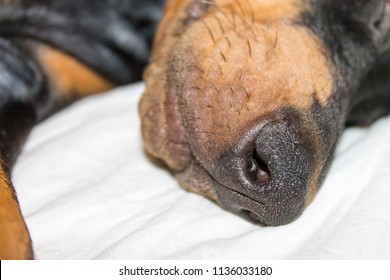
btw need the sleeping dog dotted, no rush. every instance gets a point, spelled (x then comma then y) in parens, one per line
(244, 100)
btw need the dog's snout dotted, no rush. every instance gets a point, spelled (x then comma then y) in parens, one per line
(232, 96)
(267, 175)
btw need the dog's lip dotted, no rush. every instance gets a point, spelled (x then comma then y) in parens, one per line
(234, 200)
(217, 184)
(176, 131)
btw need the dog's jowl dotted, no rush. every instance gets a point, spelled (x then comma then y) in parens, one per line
(244, 100)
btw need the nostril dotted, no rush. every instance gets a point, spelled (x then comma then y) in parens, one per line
(260, 169)
(267, 175)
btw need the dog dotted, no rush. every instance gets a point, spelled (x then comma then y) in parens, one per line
(244, 100)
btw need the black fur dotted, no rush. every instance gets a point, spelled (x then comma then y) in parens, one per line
(360, 59)
(360, 56)
(113, 37)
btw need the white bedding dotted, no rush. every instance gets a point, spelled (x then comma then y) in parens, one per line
(88, 192)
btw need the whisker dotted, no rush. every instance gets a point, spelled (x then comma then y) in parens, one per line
(252, 11)
(216, 62)
(210, 31)
(219, 10)
(276, 39)
(220, 25)
(223, 56)
(247, 92)
(195, 68)
(234, 19)
(229, 42)
(242, 16)
(249, 46)
(232, 89)
(213, 86)
(223, 31)
(245, 20)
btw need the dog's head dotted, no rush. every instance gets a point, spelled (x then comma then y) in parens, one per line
(245, 99)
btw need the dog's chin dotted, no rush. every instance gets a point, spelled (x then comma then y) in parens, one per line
(198, 180)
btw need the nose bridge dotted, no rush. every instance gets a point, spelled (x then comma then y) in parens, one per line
(245, 52)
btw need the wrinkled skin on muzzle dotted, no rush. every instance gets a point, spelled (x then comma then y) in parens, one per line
(245, 100)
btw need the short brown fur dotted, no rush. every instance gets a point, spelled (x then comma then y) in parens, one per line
(14, 236)
(69, 76)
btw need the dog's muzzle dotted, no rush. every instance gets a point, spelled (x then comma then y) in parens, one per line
(246, 109)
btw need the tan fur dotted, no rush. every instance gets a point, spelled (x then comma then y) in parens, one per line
(14, 236)
(291, 73)
(69, 76)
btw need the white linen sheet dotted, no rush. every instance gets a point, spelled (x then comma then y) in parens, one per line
(87, 191)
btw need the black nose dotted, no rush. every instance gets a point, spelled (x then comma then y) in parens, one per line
(268, 173)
